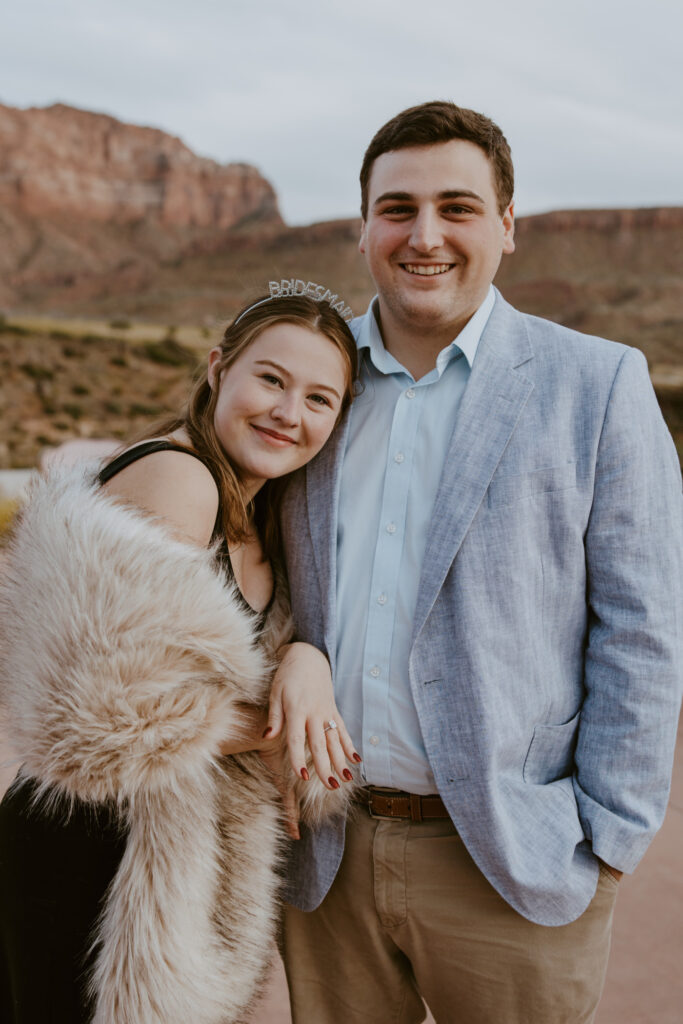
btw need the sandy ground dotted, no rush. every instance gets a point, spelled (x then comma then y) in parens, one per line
(645, 977)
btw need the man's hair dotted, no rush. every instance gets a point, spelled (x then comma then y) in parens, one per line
(442, 121)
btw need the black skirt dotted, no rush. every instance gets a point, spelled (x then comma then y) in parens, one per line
(55, 868)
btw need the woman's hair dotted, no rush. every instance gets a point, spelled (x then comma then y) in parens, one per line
(198, 418)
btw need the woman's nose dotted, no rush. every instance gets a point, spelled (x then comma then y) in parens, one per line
(287, 409)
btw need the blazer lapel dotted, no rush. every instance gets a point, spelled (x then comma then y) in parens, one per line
(491, 406)
(323, 477)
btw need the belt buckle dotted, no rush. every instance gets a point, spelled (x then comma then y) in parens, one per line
(387, 796)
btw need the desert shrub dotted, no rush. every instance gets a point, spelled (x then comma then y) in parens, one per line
(70, 352)
(80, 389)
(37, 372)
(73, 410)
(118, 361)
(6, 328)
(168, 352)
(113, 408)
(58, 335)
(8, 510)
(140, 409)
(119, 325)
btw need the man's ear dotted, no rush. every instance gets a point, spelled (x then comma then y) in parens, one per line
(363, 237)
(214, 359)
(509, 230)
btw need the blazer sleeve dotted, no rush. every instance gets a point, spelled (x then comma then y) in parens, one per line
(633, 659)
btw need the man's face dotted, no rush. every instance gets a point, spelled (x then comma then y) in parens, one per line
(433, 237)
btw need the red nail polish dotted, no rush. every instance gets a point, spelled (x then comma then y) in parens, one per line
(304, 774)
(266, 731)
(357, 758)
(333, 782)
(347, 775)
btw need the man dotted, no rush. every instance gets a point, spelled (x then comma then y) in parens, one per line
(489, 552)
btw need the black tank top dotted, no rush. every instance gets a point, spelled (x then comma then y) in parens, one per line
(139, 451)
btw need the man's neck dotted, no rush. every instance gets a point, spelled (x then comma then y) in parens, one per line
(416, 347)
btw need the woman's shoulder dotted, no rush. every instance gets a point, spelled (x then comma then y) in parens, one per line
(171, 483)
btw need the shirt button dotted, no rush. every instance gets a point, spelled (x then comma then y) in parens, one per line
(399, 457)
(374, 671)
(391, 527)
(382, 599)
(374, 740)
(410, 393)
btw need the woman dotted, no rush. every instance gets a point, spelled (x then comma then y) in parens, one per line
(142, 613)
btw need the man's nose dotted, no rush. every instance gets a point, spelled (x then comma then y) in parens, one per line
(426, 234)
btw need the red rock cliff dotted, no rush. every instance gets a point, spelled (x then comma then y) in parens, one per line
(61, 160)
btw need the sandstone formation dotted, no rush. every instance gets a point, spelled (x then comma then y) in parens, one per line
(84, 193)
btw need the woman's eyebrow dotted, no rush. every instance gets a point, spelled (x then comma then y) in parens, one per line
(285, 372)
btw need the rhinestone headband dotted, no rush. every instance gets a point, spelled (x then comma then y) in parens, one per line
(295, 286)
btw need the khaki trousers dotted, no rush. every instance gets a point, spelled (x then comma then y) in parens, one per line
(410, 916)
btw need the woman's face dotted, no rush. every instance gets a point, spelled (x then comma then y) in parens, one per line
(278, 402)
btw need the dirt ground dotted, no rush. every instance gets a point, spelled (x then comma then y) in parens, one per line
(644, 980)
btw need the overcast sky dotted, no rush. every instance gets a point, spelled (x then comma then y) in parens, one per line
(589, 93)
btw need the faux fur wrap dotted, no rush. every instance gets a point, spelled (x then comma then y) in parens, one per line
(125, 660)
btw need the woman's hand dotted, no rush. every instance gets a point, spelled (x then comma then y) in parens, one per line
(302, 697)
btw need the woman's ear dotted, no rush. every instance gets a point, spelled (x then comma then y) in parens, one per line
(213, 369)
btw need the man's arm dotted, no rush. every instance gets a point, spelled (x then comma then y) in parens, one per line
(633, 665)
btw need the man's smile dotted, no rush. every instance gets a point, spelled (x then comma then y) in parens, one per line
(426, 270)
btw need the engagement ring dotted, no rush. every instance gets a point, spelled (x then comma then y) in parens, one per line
(330, 725)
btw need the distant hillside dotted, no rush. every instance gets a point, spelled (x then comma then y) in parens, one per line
(85, 194)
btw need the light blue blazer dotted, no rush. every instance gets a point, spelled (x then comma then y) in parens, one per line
(546, 661)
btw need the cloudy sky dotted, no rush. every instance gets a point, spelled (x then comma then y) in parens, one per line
(589, 93)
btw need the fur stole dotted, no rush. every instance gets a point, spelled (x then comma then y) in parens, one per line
(125, 660)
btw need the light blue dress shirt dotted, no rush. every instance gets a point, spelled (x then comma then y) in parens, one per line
(399, 433)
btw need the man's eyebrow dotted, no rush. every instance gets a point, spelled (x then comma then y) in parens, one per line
(285, 372)
(452, 193)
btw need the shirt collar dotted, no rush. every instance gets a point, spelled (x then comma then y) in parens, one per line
(367, 334)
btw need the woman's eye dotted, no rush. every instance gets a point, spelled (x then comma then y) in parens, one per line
(319, 399)
(270, 378)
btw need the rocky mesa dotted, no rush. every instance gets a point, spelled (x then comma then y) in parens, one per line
(81, 191)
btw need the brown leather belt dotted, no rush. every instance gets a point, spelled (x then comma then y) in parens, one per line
(393, 803)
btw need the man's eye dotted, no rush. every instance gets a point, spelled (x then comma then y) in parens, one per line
(399, 211)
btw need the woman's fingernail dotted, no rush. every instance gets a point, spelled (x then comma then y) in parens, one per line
(266, 731)
(333, 782)
(304, 774)
(347, 775)
(357, 758)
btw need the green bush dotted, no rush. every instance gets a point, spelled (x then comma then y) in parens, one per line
(169, 352)
(140, 409)
(37, 372)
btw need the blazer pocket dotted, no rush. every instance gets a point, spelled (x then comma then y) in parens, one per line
(551, 752)
(507, 490)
